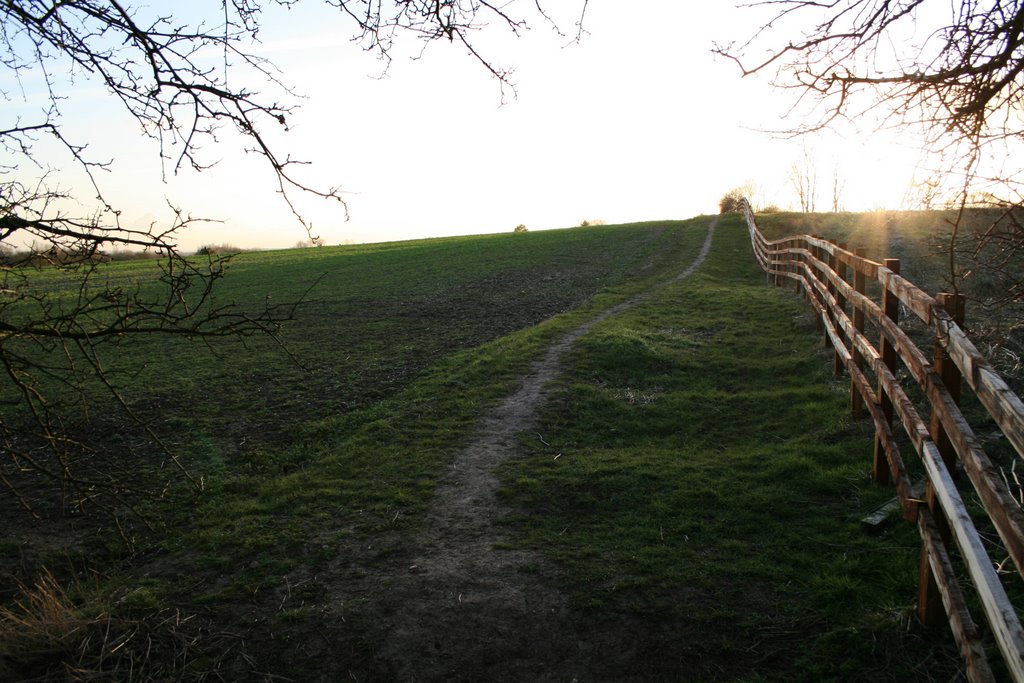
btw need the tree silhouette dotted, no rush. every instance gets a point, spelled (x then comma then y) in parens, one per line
(951, 73)
(187, 83)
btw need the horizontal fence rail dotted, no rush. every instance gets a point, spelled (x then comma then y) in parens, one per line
(835, 281)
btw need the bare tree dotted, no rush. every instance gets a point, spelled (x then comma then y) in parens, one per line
(950, 73)
(803, 176)
(925, 194)
(958, 72)
(838, 185)
(181, 81)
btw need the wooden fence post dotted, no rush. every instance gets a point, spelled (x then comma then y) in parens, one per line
(778, 269)
(787, 268)
(840, 269)
(801, 267)
(860, 286)
(795, 261)
(819, 324)
(930, 609)
(830, 264)
(891, 308)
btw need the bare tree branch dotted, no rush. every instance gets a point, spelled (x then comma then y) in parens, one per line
(186, 83)
(951, 72)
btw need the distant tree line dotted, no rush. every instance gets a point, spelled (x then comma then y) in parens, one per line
(56, 256)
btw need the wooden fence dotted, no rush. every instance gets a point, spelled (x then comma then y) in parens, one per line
(835, 281)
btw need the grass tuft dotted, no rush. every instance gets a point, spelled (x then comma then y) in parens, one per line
(52, 633)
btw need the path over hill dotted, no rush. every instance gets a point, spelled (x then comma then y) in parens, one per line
(672, 491)
(465, 603)
(682, 502)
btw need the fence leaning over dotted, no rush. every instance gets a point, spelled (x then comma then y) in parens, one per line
(835, 282)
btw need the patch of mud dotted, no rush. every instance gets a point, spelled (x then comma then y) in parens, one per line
(464, 606)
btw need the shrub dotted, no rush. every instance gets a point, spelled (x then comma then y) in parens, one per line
(731, 201)
(8, 256)
(587, 222)
(217, 250)
(521, 228)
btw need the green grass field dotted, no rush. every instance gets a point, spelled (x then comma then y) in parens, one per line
(710, 475)
(696, 478)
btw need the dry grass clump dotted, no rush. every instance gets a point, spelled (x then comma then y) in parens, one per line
(46, 636)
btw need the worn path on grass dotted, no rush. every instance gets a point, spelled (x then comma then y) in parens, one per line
(466, 608)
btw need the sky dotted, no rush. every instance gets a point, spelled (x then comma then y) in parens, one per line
(636, 121)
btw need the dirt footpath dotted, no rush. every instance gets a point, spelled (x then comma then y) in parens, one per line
(464, 608)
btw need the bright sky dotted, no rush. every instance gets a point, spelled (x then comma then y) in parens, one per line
(639, 121)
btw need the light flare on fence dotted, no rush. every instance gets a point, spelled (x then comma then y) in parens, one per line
(821, 271)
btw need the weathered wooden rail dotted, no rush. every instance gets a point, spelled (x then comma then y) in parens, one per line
(835, 281)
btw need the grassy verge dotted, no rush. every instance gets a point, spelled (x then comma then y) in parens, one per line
(703, 473)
